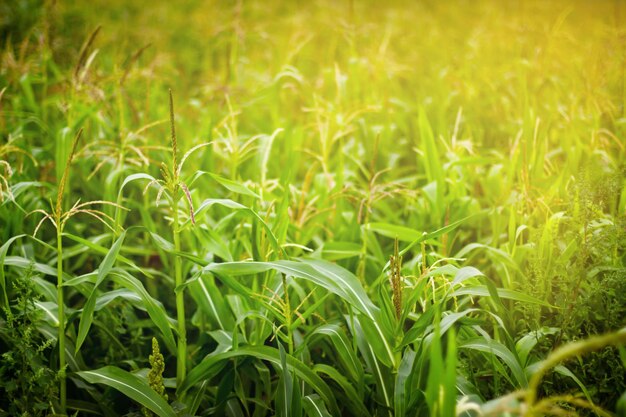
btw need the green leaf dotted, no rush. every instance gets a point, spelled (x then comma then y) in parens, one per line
(405, 234)
(24, 263)
(401, 393)
(334, 251)
(355, 401)
(103, 251)
(168, 247)
(154, 308)
(436, 370)
(498, 254)
(130, 385)
(234, 186)
(465, 273)
(341, 346)
(314, 406)
(206, 369)
(483, 291)
(449, 383)
(378, 370)
(86, 316)
(494, 347)
(237, 206)
(327, 275)
(560, 369)
(211, 301)
(431, 161)
(377, 340)
(528, 342)
(134, 177)
(3, 253)
(284, 396)
(109, 259)
(432, 235)
(162, 243)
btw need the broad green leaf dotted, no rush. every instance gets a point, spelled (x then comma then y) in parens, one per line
(314, 406)
(130, 385)
(104, 251)
(560, 369)
(21, 187)
(332, 277)
(237, 206)
(355, 401)
(285, 393)
(401, 391)
(334, 251)
(86, 316)
(84, 407)
(206, 369)
(341, 346)
(105, 298)
(483, 291)
(377, 369)
(325, 274)
(24, 263)
(436, 370)
(155, 309)
(528, 342)
(432, 235)
(45, 288)
(168, 247)
(377, 341)
(498, 254)
(50, 311)
(234, 186)
(431, 161)
(134, 177)
(405, 234)
(494, 347)
(161, 242)
(74, 361)
(465, 273)
(211, 301)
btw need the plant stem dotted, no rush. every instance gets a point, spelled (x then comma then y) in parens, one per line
(58, 216)
(288, 316)
(180, 301)
(61, 317)
(176, 188)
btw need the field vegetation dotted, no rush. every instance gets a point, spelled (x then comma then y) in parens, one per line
(328, 208)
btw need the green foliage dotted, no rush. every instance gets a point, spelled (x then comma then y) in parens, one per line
(576, 269)
(28, 386)
(383, 209)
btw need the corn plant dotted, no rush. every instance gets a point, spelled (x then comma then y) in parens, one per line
(59, 217)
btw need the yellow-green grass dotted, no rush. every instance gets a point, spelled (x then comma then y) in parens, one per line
(480, 144)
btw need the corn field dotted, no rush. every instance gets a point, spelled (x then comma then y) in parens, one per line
(311, 209)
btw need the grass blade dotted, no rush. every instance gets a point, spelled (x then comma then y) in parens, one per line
(130, 385)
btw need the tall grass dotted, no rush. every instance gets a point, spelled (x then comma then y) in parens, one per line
(398, 210)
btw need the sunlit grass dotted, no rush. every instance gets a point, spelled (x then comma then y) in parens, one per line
(385, 210)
